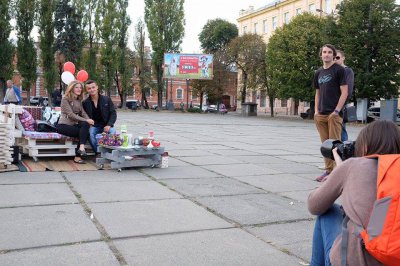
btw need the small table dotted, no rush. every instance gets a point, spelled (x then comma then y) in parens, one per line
(131, 156)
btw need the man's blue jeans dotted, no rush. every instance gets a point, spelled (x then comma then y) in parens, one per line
(93, 131)
(327, 227)
(344, 136)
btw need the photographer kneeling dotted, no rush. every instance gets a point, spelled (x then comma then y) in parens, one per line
(356, 181)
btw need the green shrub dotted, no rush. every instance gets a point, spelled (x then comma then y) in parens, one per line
(194, 110)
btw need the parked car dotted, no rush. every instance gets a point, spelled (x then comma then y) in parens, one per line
(375, 113)
(132, 104)
(39, 100)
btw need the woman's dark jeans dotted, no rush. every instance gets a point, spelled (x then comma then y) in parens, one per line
(80, 131)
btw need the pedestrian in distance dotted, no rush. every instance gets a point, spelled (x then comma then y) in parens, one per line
(13, 94)
(331, 92)
(101, 109)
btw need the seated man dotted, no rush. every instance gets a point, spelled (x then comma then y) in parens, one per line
(101, 109)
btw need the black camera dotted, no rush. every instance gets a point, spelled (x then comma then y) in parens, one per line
(345, 149)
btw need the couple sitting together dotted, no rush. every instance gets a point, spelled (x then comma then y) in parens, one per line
(83, 119)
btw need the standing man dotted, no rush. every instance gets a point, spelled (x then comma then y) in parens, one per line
(56, 97)
(13, 94)
(330, 96)
(101, 109)
(339, 59)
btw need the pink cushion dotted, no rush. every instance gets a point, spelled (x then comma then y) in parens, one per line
(27, 120)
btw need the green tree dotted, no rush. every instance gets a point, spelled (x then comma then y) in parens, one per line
(214, 38)
(122, 73)
(108, 19)
(292, 57)
(88, 9)
(143, 68)
(7, 48)
(26, 52)
(216, 34)
(46, 43)
(369, 33)
(165, 23)
(247, 52)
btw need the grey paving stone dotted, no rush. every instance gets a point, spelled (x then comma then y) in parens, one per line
(191, 153)
(256, 208)
(213, 147)
(273, 152)
(240, 170)
(35, 194)
(85, 254)
(213, 247)
(123, 219)
(210, 187)
(122, 191)
(300, 196)
(237, 152)
(294, 237)
(105, 175)
(301, 158)
(179, 172)
(30, 178)
(278, 182)
(174, 162)
(26, 227)
(261, 159)
(212, 160)
(292, 168)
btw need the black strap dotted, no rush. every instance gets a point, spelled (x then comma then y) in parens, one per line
(345, 238)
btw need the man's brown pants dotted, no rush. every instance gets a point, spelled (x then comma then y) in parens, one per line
(329, 127)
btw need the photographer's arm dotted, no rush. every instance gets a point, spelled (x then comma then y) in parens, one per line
(322, 198)
(338, 160)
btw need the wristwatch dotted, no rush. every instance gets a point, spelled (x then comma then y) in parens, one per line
(336, 111)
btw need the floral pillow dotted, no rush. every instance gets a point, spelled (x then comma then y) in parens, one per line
(27, 120)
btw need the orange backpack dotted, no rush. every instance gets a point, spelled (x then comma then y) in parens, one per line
(382, 235)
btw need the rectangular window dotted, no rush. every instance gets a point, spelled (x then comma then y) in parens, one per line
(194, 96)
(148, 93)
(284, 103)
(265, 26)
(255, 28)
(274, 23)
(286, 18)
(298, 11)
(328, 6)
(244, 29)
(263, 99)
(311, 8)
(179, 94)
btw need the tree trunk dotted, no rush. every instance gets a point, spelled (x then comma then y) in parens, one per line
(159, 86)
(244, 87)
(312, 110)
(271, 105)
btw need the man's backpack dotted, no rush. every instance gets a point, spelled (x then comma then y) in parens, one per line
(382, 235)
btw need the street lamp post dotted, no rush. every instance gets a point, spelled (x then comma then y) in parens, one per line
(187, 94)
(171, 103)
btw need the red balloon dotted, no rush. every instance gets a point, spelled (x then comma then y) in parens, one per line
(82, 76)
(70, 67)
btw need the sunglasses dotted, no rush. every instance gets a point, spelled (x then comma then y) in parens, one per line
(337, 57)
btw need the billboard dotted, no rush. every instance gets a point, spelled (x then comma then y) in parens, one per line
(188, 66)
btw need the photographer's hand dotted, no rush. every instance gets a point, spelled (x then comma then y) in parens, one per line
(338, 160)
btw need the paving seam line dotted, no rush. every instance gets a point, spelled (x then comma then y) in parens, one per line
(104, 235)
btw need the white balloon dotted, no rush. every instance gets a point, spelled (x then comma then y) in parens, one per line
(67, 77)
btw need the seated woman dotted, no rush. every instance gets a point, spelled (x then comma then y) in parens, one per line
(74, 122)
(354, 180)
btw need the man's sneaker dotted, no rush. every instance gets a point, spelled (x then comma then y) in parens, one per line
(322, 177)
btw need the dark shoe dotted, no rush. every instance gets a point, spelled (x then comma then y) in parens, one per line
(81, 153)
(80, 161)
(322, 177)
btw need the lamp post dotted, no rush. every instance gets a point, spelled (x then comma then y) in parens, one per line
(171, 103)
(187, 94)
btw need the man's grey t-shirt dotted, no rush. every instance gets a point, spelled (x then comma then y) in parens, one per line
(328, 82)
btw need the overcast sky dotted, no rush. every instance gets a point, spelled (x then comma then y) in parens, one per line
(197, 12)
